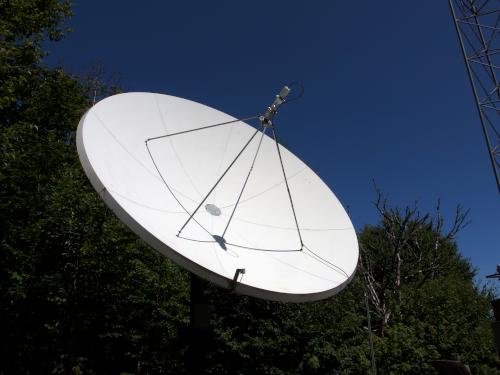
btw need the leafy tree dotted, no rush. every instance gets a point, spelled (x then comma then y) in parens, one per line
(24, 24)
(80, 293)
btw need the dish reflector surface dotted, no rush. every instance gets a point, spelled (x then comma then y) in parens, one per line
(216, 200)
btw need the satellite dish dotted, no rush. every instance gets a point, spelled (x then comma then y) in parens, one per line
(219, 197)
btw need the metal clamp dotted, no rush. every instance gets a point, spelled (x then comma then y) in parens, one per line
(239, 271)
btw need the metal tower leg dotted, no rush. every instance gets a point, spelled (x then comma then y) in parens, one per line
(477, 24)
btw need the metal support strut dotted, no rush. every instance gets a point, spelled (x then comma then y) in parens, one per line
(266, 122)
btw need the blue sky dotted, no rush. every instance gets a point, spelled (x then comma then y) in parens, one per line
(386, 92)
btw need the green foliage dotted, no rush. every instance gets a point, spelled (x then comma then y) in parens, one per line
(80, 294)
(24, 24)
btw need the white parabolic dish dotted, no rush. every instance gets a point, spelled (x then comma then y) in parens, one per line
(154, 179)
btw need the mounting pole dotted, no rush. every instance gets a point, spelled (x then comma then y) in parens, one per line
(370, 335)
(495, 304)
(199, 325)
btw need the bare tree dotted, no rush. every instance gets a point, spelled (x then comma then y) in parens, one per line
(406, 249)
(100, 83)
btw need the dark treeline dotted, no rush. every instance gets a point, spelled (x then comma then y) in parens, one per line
(81, 294)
